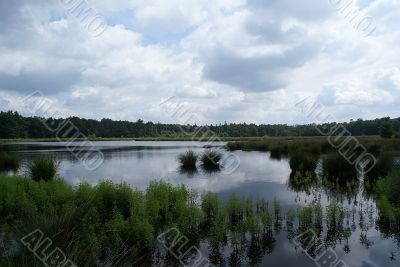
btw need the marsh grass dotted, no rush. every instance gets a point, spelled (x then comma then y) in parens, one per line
(335, 166)
(303, 161)
(43, 168)
(384, 164)
(115, 222)
(188, 161)
(9, 161)
(210, 160)
(389, 187)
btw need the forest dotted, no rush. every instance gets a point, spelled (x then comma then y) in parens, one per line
(13, 125)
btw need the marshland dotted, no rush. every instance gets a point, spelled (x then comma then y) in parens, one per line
(282, 188)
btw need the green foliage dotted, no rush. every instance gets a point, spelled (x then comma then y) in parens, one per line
(302, 161)
(386, 129)
(384, 164)
(389, 187)
(13, 125)
(335, 166)
(211, 160)
(188, 160)
(43, 168)
(279, 150)
(113, 221)
(9, 161)
(211, 206)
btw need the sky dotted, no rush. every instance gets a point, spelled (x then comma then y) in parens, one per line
(223, 60)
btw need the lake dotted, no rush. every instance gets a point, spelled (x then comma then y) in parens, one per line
(139, 162)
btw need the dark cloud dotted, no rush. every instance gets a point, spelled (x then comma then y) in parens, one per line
(48, 83)
(257, 73)
(272, 32)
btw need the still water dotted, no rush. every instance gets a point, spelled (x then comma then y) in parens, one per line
(139, 162)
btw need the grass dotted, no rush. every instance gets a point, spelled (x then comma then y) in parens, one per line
(113, 224)
(9, 161)
(210, 160)
(313, 144)
(188, 160)
(335, 166)
(384, 164)
(303, 161)
(43, 168)
(389, 187)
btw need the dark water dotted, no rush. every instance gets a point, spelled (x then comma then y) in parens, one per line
(137, 163)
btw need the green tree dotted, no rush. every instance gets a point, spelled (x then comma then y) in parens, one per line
(386, 129)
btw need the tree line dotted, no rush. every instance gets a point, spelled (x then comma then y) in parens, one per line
(14, 125)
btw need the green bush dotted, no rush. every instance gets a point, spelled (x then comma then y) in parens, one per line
(211, 160)
(9, 161)
(188, 160)
(43, 168)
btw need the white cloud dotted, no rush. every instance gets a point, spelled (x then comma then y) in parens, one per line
(229, 60)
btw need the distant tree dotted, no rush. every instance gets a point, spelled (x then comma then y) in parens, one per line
(386, 129)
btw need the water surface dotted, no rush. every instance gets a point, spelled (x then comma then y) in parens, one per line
(139, 162)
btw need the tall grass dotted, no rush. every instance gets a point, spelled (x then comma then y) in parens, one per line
(43, 168)
(384, 164)
(188, 160)
(389, 187)
(113, 221)
(9, 161)
(335, 166)
(211, 160)
(303, 161)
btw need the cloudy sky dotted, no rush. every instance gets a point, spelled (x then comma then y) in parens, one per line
(225, 60)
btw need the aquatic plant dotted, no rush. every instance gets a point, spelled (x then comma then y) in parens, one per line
(337, 166)
(9, 161)
(211, 206)
(383, 165)
(302, 161)
(43, 168)
(211, 160)
(389, 187)
(188, 160)
(279, 150)
(277, 210)
(235, 210)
